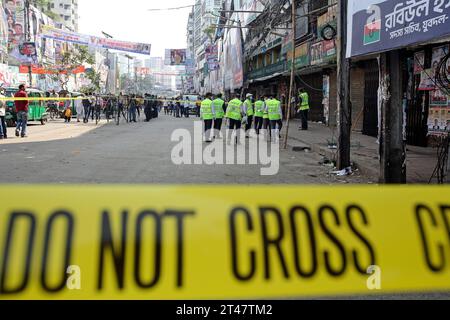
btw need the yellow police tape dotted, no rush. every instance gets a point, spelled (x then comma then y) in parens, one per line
(208, 242)
(83, 98)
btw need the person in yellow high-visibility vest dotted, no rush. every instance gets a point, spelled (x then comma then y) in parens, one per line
(249, 112)
(273, 107)
(219, 113)
(207, 115)
(235, 112)
(259, 114)
(266, 121)
(303, 108)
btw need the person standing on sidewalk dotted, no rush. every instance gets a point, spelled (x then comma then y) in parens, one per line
(259, 114)
(22, 112)
(79, 108)
(219, 113)
(133, 109)
(3, 129)
(207, 115)
(304, 108)
(249, 113)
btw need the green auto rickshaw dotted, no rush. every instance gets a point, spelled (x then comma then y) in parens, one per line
(37, 109)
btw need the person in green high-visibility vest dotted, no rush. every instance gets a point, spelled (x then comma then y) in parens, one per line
(273, 107)
(249, 112)
(207, 115)
(303, 108)
(235, 113)
(259, 114)
(219, 113)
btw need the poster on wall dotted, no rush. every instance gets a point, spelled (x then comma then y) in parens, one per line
(426, 81)
(419, 62)
(382, 25)
(439, 120)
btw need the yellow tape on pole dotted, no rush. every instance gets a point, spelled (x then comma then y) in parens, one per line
(136, 242)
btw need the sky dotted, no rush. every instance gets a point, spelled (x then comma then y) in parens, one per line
(130, 20)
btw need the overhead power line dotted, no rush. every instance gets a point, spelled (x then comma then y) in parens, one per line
(174, 8)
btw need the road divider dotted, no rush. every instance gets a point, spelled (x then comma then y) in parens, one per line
(220, 242)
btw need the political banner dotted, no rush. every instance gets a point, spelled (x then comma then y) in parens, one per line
(72, 37)
(15, 18)
(382, 25)
(175, 57)
(3, 30)
(212, 57)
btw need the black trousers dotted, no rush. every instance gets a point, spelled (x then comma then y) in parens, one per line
(217, 126)
(276, 124)
(248, 126)
(148, 113)
(304, 117)
(258, 124)
(208, 127)
(234, 125)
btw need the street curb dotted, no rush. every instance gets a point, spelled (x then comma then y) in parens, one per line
(365, 169)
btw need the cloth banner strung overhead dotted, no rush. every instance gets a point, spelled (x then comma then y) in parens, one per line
(68, 36)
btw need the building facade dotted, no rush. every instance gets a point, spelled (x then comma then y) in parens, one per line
(67, 11)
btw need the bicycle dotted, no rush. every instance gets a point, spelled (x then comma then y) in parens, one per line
(121, 111)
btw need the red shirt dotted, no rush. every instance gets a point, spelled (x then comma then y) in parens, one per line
(21, 105)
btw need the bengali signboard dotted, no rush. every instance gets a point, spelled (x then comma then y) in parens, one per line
(376, 25)
(323, 52)
(72, 37)
(302, 56)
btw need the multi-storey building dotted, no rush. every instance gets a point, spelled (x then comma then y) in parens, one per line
(206, 14)
(67, 11)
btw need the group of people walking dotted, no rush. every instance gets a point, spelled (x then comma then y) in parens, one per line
(263, 113)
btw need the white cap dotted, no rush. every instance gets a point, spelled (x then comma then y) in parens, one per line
(249, 95)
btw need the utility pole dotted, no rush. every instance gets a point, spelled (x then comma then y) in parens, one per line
(291, 86)
(392, 146)
(28, 35)
(109, 62)
(344, 108)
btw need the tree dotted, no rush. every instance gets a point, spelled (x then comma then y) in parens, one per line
(44, 6)
(72, 59)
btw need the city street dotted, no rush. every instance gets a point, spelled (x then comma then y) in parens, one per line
(136, 153)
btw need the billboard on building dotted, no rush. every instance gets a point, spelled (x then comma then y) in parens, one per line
(233, 66)
(175, 57)
(382, 25)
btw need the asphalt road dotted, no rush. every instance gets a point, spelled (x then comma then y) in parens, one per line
(138, 153)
